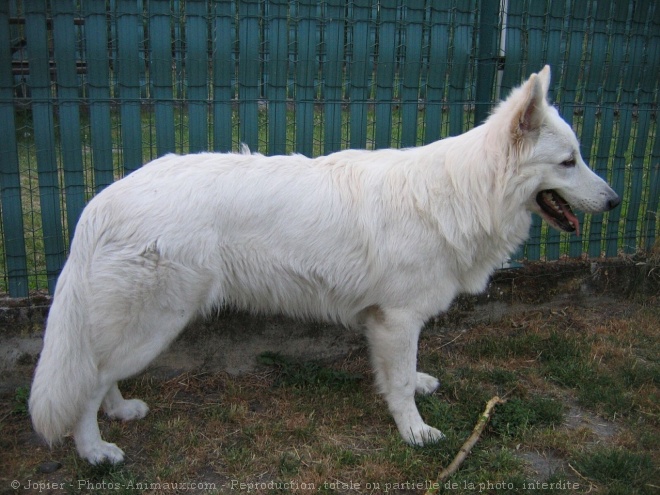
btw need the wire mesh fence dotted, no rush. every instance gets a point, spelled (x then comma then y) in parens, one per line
(90, 91)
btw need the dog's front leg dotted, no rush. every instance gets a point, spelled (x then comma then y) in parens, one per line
(393, 336)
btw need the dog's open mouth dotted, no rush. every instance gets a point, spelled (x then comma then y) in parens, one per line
(557, 212)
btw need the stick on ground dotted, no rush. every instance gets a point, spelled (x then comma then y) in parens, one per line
(469, 443)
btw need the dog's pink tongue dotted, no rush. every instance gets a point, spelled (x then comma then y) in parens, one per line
(574, 220)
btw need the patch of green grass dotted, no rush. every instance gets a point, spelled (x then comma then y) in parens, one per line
(303, 375)
(105, 478)
(238, 454)
(21, 398)
(619, 470)
(523, 344)
(499, 376)
(227, 413)
(347, 458)
(636, 373)
(568, 359)
(606, 392)
(517, 415)
(556, 484)
(289, 464)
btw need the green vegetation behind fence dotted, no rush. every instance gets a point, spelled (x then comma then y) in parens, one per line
(90, 91)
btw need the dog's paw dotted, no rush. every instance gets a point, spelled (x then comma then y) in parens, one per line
(423, 435)
(426, 384)
(102, 452)
(129, 410)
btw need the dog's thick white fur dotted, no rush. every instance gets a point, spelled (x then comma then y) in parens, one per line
(384, 239)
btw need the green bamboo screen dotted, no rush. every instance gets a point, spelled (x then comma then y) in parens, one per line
(91, 90)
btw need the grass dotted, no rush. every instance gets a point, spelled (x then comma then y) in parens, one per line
(518, 416)
(624, 471)
(303, 375)
(581, 383)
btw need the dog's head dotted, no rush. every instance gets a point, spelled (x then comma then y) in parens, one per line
(548, 158)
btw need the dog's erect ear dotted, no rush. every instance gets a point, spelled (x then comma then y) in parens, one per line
(544, 77)
(530, 111)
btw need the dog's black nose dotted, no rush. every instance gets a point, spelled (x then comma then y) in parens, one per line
(613, 202)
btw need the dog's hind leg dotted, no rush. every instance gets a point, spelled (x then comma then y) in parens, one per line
(123, 351)
(426, 384)
(393, 336)
(116, 407)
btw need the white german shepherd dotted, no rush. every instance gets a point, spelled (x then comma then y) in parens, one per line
(384, 239)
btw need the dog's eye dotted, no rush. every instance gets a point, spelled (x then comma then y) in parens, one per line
(568, 163)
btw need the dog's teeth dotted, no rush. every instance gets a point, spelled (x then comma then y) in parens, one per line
(550, 200)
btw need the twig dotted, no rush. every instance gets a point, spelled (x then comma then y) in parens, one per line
(452, 340)
(591, 485)
(467, 446)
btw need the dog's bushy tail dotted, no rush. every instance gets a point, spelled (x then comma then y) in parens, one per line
(66, 374)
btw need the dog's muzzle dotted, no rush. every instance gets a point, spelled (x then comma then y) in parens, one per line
(558, 213)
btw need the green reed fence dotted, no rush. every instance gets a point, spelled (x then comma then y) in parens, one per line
(90, 90)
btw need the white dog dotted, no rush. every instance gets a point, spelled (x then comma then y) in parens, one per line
(384, 239)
